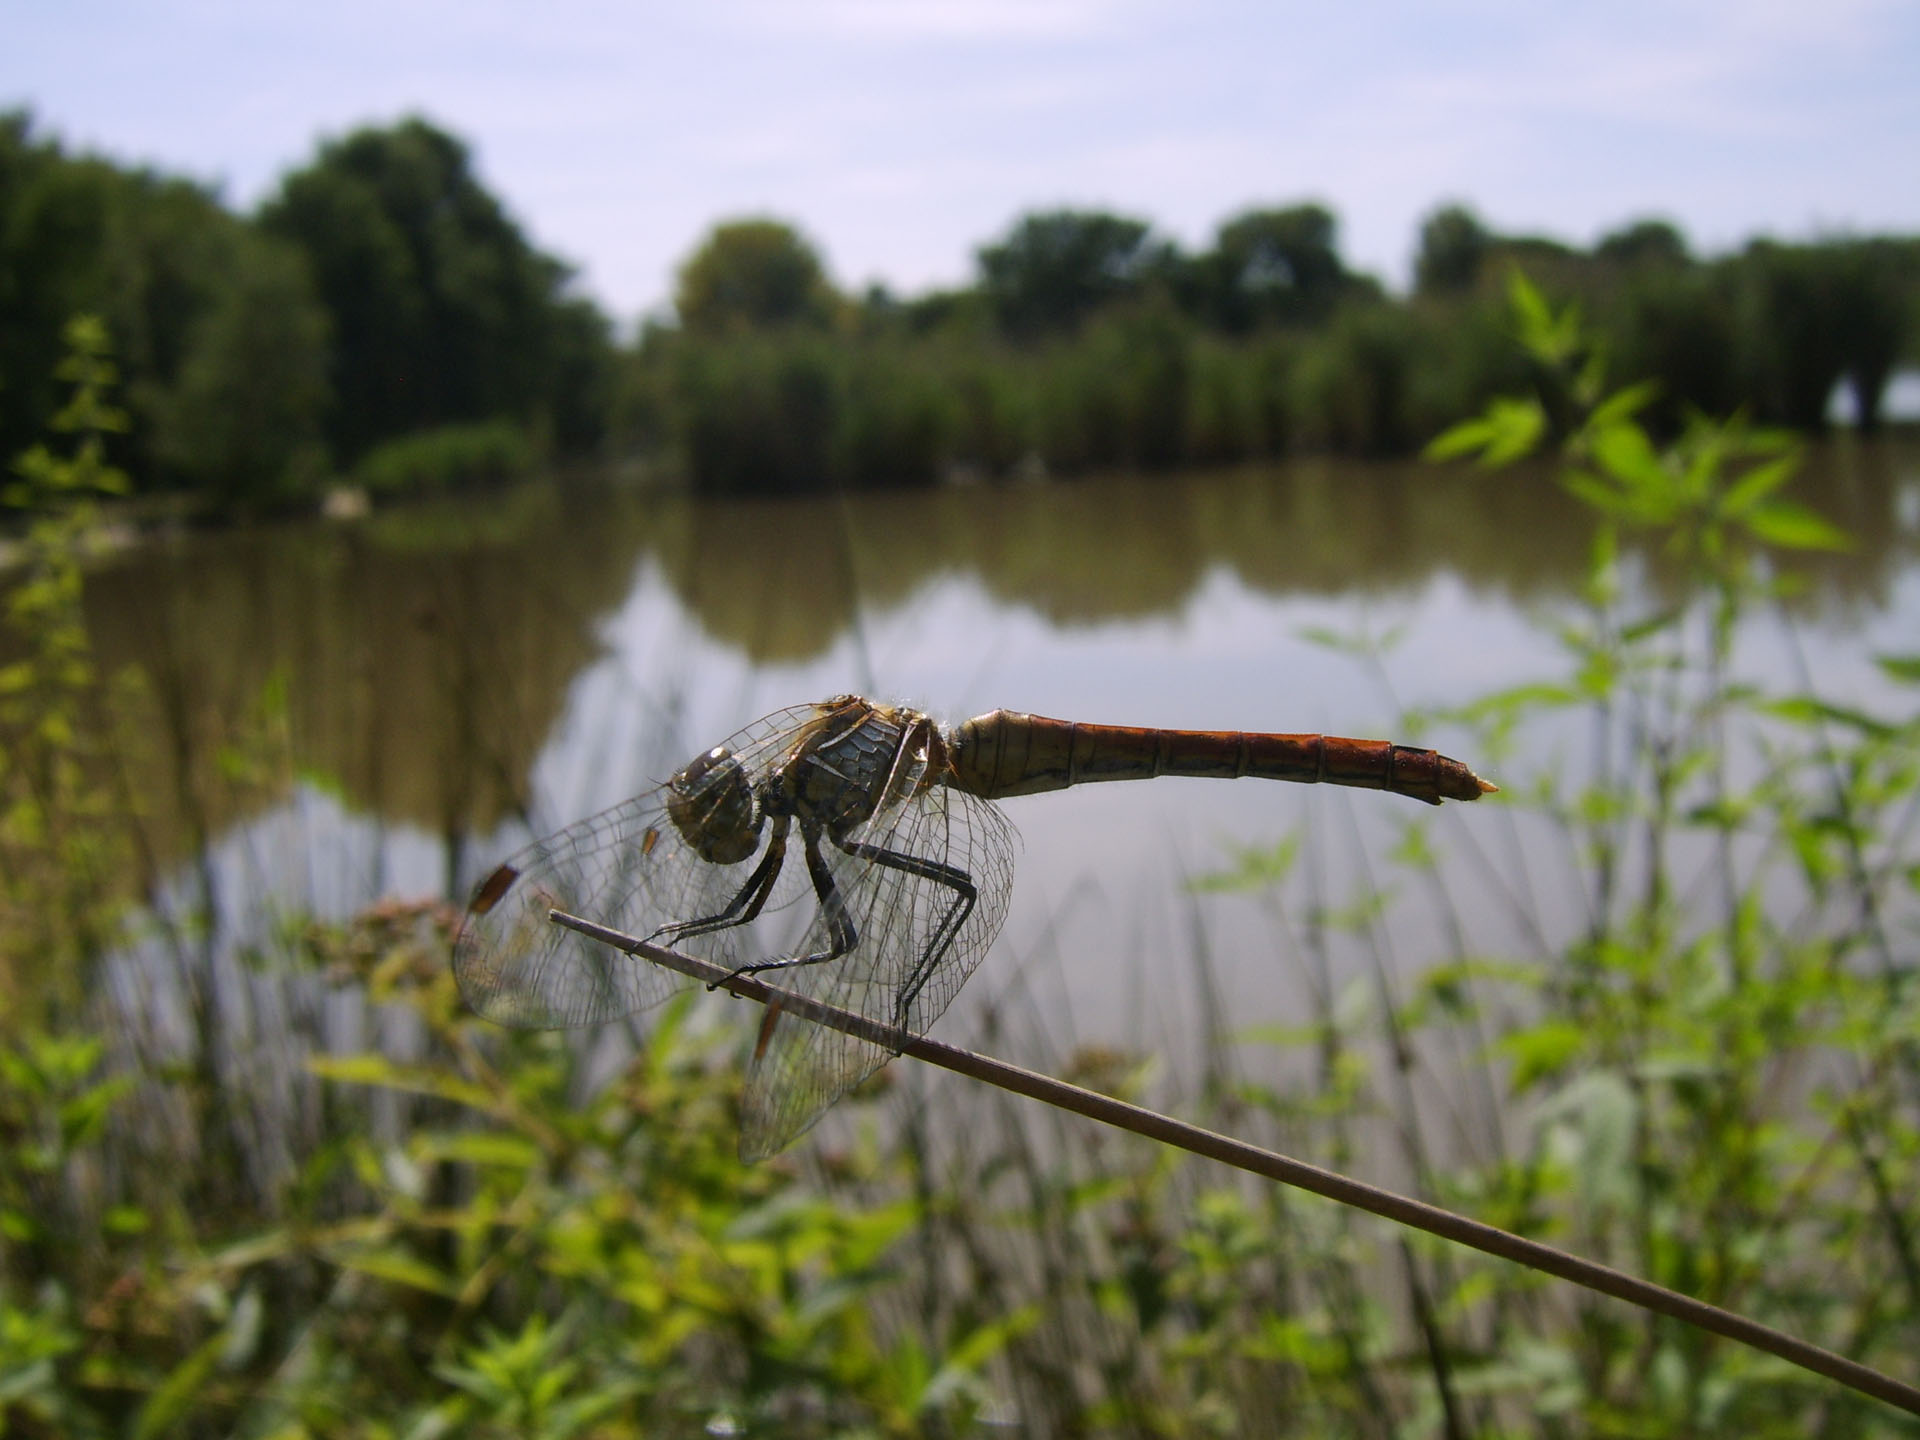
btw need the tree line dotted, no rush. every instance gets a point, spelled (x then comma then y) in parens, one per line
(381, 317)
(1088, 341)
(379, 313)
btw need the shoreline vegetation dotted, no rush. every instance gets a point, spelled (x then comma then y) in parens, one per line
(381, 324)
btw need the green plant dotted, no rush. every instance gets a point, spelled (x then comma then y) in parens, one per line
(449, 458)
(61, 833)
(1718, 1085)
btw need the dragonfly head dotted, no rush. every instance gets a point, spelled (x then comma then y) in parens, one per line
(712, 807)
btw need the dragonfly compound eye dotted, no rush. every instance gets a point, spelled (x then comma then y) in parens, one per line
(712, 807)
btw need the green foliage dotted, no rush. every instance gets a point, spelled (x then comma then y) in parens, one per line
(752, 275)
(1453, 247)
(382, 292)
(1054, 269)
(61, 831)
(1812, 314)
(1277, 267)
(219, 333)
(760, 415)
(452, 457)
(440, 311)
(1718, 1082)
(513, 1263)
(244, 417)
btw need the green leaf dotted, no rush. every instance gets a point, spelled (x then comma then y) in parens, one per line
(400, 1268)
(1517, 426)
(482, 1147)
(1330, 639)
(379, 1071)
(1903, 668)
(1536, 695)
(1808, 710)
(1622, 405)
(1529, 305)
(168, 1405)
(1651, 625)
(1758, 483)
(1541, 1050)
(1596, 494)
(1625, 453)
(967, 1358)
(1253, 867)
(1462, 439)
(1794, 527)
(355, 1069)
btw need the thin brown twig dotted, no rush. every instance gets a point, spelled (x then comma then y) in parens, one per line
(1400, 1209)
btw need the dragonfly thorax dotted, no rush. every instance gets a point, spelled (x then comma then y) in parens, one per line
(711, 804)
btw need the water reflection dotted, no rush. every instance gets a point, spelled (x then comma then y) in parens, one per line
(430, 655)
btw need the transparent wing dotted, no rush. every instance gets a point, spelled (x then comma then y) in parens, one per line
(629, 869)
(919, 940)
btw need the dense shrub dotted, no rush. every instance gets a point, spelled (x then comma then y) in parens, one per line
(450, 458)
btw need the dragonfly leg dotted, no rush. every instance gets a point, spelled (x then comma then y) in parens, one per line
(841, 934)
(747, 902)
(965, 896)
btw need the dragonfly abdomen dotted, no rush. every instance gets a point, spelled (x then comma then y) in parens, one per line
(1008, 753)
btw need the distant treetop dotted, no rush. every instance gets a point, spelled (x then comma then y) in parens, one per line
(753, 275)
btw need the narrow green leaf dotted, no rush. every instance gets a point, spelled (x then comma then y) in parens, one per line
(1530, 309)
(1595, 493)
(1758, 483)
(355, 1069)
(1623, 405)
(400, 1268)
(1462, 439)
(1794, 527)
(482, 1147)
(1517, 427)
(1652, 625)
(1542, 1050)
(168, 1405)
(1904, 668)
(1625, 453)
(1807, 710)
(375, 1070)
(1253, 867)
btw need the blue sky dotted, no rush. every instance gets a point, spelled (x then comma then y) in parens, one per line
(900, 135)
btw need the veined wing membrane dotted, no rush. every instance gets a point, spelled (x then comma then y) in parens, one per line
(630, 869)
(916, 933)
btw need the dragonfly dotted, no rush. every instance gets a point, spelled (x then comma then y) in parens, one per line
(853, 851)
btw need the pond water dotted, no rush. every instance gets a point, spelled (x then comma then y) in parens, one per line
(431, 686)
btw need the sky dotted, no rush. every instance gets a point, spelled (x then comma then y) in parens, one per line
(900, 135)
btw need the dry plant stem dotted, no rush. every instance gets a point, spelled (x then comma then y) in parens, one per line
(1274, 1166)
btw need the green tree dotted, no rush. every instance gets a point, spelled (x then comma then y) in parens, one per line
(1644, 242)
(244, 418)
(1453, 246)
(170, 273)
(53, 217)
(1054, 269)
(1277, 265)
(752, 275)
(1791, 341)
(441, 311)
(1676, 325)
(1874, 288)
